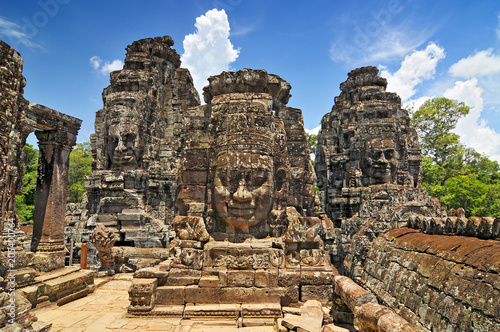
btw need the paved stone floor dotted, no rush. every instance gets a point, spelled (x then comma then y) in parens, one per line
(106, 308)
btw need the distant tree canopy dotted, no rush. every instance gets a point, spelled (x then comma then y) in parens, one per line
(312, 142)
(459, 176)
(80, 165)
(25, 203)
(80, 161)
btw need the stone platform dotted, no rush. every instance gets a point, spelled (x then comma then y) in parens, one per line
(62, 285)
(252, 279)
(106, 310)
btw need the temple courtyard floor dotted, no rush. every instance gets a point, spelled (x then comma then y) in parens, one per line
(106, 310)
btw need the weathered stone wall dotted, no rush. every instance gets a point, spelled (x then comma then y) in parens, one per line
(453, 224)
(12, 129)
(442, 283)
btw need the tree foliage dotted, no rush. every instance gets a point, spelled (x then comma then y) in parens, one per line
(25, 203)
(312, 142)
(459, 176)
(80, 165)
(434, 122)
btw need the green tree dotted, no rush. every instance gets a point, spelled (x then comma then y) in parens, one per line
(312, 142)
(80, 165)
(25, 203)
(459, 176)
(434, 122)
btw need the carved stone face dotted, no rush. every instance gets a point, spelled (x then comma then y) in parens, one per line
(380, 161)
(243, 189)
(124, 146)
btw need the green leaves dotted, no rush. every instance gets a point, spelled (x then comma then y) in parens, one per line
(459, 176)
(434, 121)
(312, 142)
(80, 165)
(25, 203)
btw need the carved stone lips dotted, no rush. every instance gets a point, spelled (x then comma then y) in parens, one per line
(241, 212)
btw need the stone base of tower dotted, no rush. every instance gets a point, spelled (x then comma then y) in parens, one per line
(252, 279)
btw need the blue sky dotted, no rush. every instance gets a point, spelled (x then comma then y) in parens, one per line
(424, 48)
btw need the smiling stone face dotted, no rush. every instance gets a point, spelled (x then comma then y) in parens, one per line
(124, 147)
(380, 160)
(243, 193)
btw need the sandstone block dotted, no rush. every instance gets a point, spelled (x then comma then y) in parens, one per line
(311, 317)
(171, 295)
(266, 278)
(242, 278)
(203, 295)
(209, 281)
(322, 293)
(291, 321)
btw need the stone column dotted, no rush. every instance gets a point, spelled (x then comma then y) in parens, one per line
(50, 199)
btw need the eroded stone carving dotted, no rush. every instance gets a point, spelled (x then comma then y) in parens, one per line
(247, 205)
(104, 239)
(365, 140)
(138, 144)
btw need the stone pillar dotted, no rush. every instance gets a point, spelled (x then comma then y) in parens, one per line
(50, 199)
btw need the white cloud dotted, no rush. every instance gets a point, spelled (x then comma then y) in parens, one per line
(108, 67)
(415, 68)
(14, 33)
(105, 67)
(480, 64)
(314, 131)
(364, 45)
(96, 62)
(414, 104)
(473, 131)
(208, 51)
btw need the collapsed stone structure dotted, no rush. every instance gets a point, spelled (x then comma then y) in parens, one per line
(21, 258)
(138, 144)
(369, 170)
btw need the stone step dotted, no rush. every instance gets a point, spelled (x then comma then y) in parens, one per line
(212, 311)
(68, 284)
(174, 311)
(56, 273)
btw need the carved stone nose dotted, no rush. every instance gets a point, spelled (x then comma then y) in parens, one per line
(242, 194)
(120, 147)
(382, 159)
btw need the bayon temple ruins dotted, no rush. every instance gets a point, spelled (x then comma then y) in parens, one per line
(218, 212)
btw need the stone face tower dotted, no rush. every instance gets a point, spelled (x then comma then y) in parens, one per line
(138, 142)
(247, 226)
(365, 140)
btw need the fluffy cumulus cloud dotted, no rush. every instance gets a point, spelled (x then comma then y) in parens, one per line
(208, 51)
(479, 64)
(415, 68)
(313, 131)
(105, 67)
(473, 131)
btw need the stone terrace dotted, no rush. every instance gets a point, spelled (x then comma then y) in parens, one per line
(106, 310)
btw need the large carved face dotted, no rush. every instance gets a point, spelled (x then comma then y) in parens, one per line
(124, 146)
(380, 160)
(243, 188)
